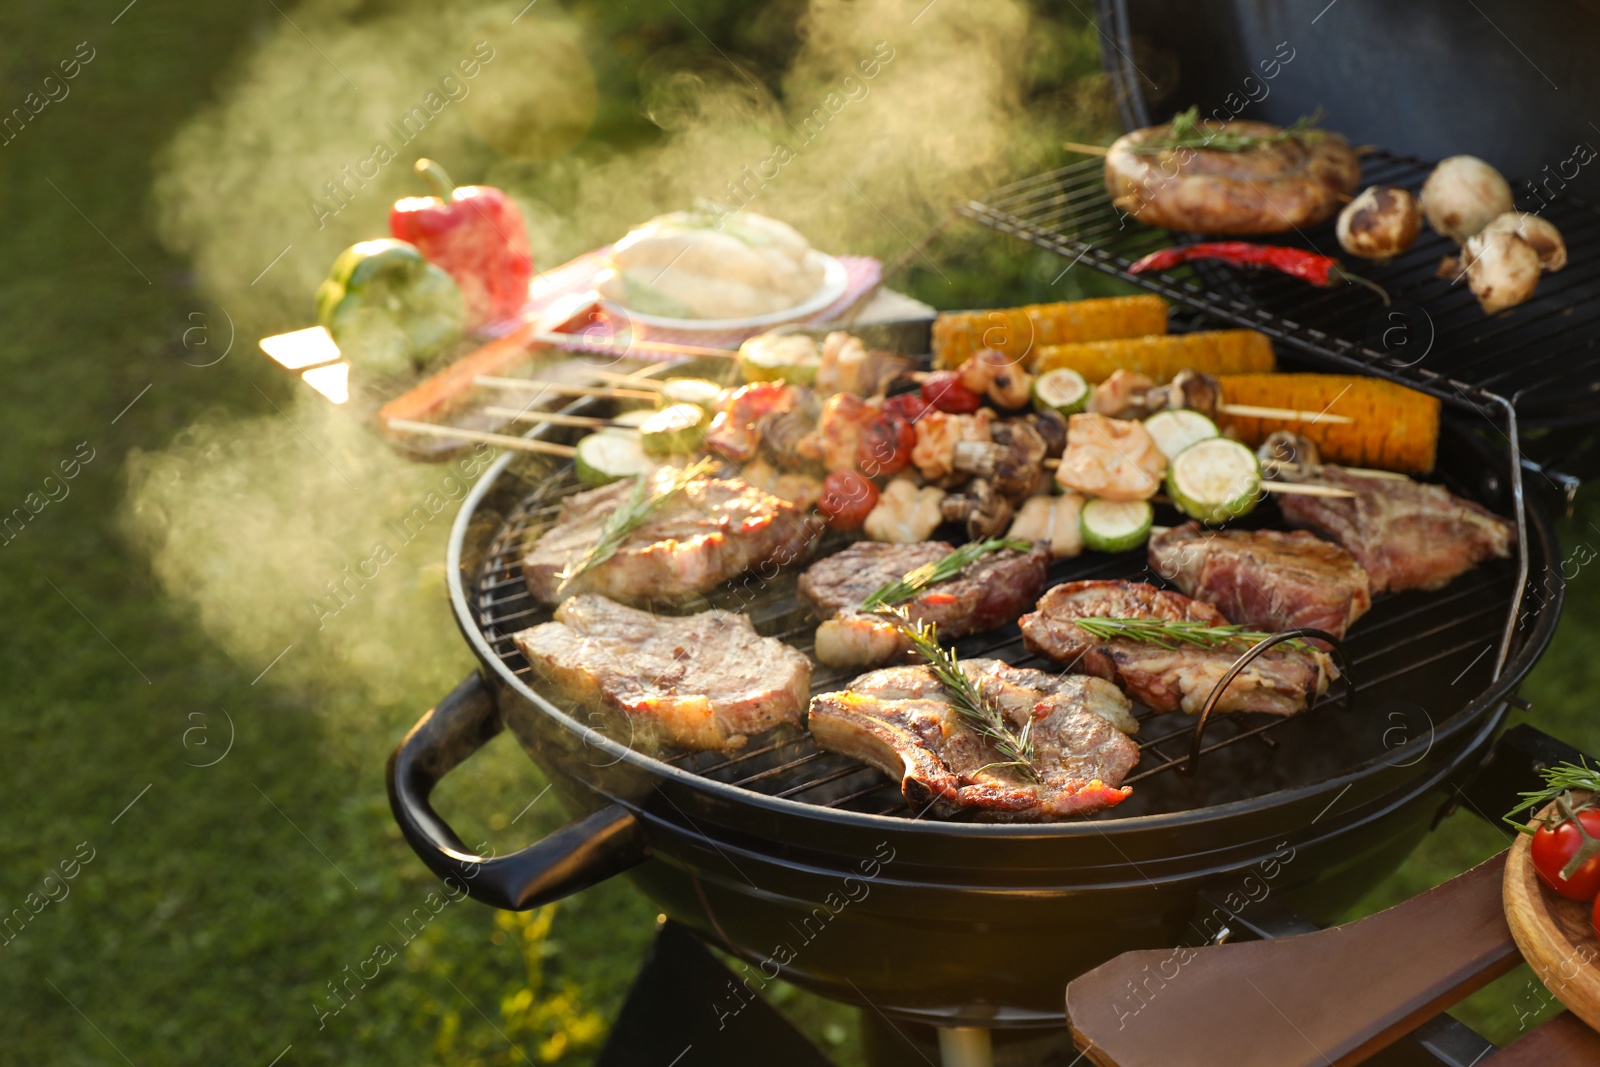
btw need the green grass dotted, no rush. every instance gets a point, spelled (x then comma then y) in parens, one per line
(219, 908)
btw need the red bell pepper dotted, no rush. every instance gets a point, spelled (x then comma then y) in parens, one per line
(475, 233)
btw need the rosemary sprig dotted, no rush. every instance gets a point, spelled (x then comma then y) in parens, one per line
(1170, 633)
(1188, 131)
(1558, 780)
(939, 570)
(980, 714)
(632, 514)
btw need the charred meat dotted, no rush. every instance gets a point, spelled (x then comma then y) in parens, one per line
(1407, 534)
(990, 591)
(713, 530)
(703, 681)
(1265, 579)
(900, 721)
(1170, 675)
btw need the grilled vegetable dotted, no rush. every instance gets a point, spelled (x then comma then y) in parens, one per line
(1310, 267)
(1462, 196)
(604, 458)
(1380, 223)
(1502, 269)
(780, 357)
(678, 429)
(1177, 428)
(1017, 331)
(885, 445)
(1115, 525)
(1211, 351)
(1215, 480)
(628, 421)
(1538, 232)
(697, 391)
(981, 507)
(943, 390)
(1062, 389)
(847, 499)
(1393, 427)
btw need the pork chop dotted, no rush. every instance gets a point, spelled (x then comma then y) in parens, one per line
(1176, 675)
(900, 721)
(702, 681)
(990, 591)
(713, 530)
(1265, 579)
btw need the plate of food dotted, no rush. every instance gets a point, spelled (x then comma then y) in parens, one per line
(708, 271)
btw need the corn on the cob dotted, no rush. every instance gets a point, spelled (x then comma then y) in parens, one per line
(1017, 331)
(1391, 427)
(1210, 351)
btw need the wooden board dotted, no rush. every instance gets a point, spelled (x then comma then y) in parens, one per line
(1554, 934)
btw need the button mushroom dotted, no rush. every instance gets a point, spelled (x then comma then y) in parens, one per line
(1380, 223)
(1013, 462)
(1189, 389)
(1541, 234)
(984, 510)
(1462, 196)
(1502, 269)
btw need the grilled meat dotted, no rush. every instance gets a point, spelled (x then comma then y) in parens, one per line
(900, 721)
(1407, 534)
(1265, 579)
(1280, 183)
(990, 591)
(701, 681)
(714, 530)
(1280, 681)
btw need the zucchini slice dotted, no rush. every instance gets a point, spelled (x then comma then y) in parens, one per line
(1115, 525)
(605, 457)
(676, 429)
(1062, 390)
(780, 357)
(1177, 428)
(697, 391)
(1215, 480)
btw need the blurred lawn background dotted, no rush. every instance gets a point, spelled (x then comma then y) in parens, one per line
(219, 907)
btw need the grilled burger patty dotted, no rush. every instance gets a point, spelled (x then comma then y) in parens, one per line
(702, 681)
(900, 721)
(1272, 187)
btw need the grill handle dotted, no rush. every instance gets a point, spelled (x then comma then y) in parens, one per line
(580, 854)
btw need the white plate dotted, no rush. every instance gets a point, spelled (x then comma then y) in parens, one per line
(835, 280)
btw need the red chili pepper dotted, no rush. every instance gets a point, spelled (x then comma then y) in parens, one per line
(475, 233)
(1321, 271)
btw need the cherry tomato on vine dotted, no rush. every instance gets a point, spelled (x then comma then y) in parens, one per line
(1556, 845)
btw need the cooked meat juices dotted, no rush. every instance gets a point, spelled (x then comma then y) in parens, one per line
(702, 681)
(1407, 534)
(714, 530)
(990, 591)
(1280, 681)
(900, 721)
(1265, 579)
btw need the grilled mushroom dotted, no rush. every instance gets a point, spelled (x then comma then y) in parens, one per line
(985, 512)
(1190, 389)
(1052, 429)
(1013, 462)
(1285, 450)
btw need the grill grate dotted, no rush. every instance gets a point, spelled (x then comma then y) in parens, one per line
(1405, 653)
(1544, 356)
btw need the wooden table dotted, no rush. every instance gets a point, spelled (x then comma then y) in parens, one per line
(1324, 999)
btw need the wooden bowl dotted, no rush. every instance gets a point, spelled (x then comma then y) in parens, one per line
(1554, 934)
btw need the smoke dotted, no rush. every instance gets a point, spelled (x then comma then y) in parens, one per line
(890, 111)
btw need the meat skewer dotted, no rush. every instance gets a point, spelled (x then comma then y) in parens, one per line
(518, 444)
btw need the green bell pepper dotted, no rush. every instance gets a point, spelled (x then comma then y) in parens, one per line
(389, 310)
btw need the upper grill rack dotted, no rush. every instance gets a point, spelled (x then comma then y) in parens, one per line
(1543, 356)
(1409, 648)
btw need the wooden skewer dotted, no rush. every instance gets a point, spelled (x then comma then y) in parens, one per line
(564, 340)
(1287, 488)
(520, 444)
(1086, 149)
(629, 379)
(555, 418)
(1251, 411)
(563, 389)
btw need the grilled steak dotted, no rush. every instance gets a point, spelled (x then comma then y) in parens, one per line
(697, 681)
(1265, 579)
(900, 721)
(1280, 681)
(714, 530)
(990, 591)
(1407, 534)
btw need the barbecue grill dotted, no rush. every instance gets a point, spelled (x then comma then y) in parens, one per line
(808, 864)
